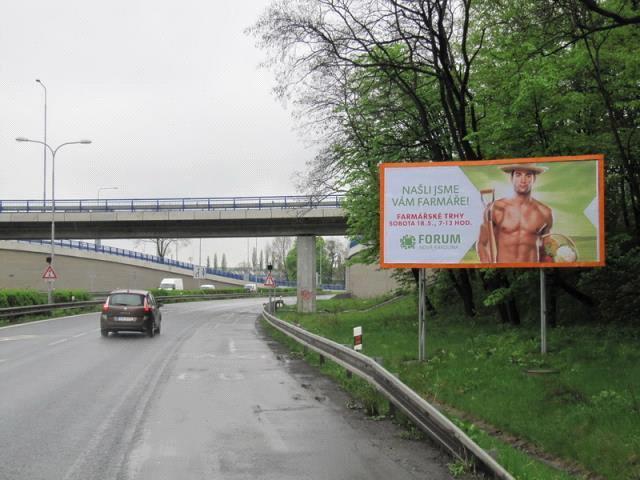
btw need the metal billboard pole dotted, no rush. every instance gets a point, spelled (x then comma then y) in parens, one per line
(422, 308)
(543, 313)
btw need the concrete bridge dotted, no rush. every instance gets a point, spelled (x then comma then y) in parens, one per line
(173, 217)
(304, 217)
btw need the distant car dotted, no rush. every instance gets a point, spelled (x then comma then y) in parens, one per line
(251, 287)
(130, 311)
(207, 286)
(172, 284)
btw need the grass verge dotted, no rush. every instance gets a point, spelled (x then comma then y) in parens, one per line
(583, 416)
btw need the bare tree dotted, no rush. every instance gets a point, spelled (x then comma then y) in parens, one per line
(254, 258)
(422, 48)
(336, 253)
(163, 245)
(280, 247)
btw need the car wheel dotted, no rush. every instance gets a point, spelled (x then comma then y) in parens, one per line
(151, 331)
(104, 332)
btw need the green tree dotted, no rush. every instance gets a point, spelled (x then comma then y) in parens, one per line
(431, 80)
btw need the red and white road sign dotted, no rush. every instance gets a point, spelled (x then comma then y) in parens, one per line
(269, 281)
(49, 273)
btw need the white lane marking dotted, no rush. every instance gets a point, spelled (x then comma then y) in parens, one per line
(17, 337)
(26, 324)
(197, 356)
(59, 342)
(231, 376)
(274, 438)
(80, 335)
(188, 376)
(205, 355)
(3, 360)
(232, 346)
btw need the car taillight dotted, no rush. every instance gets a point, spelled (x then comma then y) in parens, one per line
(105, 307)
(147, 308)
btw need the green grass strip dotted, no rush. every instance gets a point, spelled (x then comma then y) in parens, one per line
(586, 411)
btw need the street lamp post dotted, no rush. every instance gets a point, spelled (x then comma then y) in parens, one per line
(44, 148)
(53, 193)
(98, 242)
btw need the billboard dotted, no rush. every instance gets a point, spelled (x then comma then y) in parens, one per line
(514, 213)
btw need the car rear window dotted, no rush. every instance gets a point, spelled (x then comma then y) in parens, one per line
(129, 299)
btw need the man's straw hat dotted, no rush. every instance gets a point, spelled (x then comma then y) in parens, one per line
(532, 167)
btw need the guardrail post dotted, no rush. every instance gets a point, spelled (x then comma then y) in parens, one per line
(392, 407)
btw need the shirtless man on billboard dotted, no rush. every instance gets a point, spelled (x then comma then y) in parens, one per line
(513, 227)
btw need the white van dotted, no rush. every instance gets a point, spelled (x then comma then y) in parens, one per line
(172, 284)
(251, 287)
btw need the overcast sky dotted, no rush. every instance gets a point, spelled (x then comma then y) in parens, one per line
(170, 93)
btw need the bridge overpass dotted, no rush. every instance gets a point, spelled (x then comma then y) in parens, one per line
(173, 217)
(304, 217)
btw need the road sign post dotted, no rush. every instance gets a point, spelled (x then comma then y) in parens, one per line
(50, 276)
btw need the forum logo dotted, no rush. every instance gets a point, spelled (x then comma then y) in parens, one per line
(408, 242)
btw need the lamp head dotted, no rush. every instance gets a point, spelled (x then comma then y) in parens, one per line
(22, 139)
(85, 142)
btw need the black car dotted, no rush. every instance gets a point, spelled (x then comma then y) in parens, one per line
(130, 311)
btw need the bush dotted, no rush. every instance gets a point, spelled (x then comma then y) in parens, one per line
(159, 292)
(20, 298)
(63, 296)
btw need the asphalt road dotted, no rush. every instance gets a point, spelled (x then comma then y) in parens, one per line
(210, 398)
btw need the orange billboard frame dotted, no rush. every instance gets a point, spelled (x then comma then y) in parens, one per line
(598, 158)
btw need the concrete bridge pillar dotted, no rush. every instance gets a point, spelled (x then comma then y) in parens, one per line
(307, 274)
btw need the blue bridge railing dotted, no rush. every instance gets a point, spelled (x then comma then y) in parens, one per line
(174, 204)
(87, 246)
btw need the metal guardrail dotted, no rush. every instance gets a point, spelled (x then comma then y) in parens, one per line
(9, 312)
(173, 204)
(421, 412)
(32, 309)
